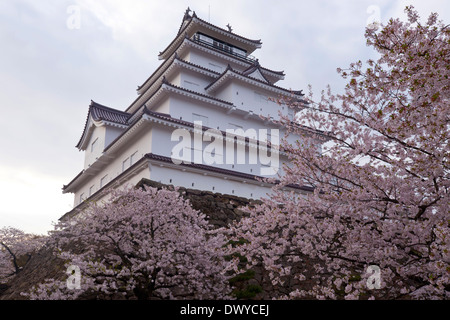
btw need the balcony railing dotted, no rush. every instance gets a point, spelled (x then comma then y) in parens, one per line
(222, 46)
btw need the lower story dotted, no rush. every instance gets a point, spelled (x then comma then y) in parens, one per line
(192, 176)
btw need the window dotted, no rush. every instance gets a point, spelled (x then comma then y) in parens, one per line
(191, 85)
(234, 126)
(81, 197)
(215, 67)
(133, 158)
(91, 190)
(199, 117)
(260, 98)
(94, 145)
(193, 155)
(291, 113)
(103, 181)
(125, 164)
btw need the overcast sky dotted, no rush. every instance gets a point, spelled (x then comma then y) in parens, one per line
(57, 55)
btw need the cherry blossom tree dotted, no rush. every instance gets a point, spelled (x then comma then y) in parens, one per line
(16, 249)
(377, 224)
(142, 243)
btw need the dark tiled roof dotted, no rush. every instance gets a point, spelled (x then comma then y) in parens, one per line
(167, 117)
(100, 112)
(257, 42)
(175, 57)
(133, 118)
(152, 156)
(193, 18)
(256, 65)
(169, 64)
(203, 167)
(251, 64)
(73, 180)
(189, 18)
(197, 93)
(197, 66)
(229, 68)
(253, 68)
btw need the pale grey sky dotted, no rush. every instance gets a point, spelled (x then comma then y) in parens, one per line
(49, 72)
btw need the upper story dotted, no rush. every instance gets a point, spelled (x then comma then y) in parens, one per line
(207, 74)
(217, 63)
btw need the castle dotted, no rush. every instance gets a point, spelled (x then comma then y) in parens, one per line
(196, 122)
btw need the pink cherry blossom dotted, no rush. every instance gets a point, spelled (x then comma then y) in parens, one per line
(16, 248)
(140, 244)
(382, 180)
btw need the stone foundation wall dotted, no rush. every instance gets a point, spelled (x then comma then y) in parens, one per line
(220, 209)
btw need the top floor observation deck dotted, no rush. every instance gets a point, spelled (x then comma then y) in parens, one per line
(222, 46)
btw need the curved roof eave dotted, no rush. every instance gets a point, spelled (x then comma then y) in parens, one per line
(99, 114)
(189, 29)
(230, 72)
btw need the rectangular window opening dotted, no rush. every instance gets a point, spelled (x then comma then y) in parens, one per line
(133, 158)
(94, 145)
(199, 117)
(125, 164)
(103, 181)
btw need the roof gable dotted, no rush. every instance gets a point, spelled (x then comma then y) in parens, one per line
(257, 74)
(230, 73)
(101, 115)
(192, 24)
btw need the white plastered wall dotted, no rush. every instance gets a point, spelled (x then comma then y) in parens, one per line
(132, 151)
(206, 181)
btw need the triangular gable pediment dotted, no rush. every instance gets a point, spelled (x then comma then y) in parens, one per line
(99, 115)
(87, 133)
(258, 75)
